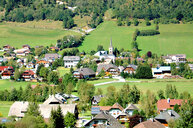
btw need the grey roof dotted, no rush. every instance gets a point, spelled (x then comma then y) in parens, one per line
(131, 107)
(85, 71)
(150, 124)
(105, 67)
(52, 99)
(98, 98)
(95, 110)
(167, 115)
(132, 66)
(18, 109)
(112, 122)
(75, 58)
(51, 55)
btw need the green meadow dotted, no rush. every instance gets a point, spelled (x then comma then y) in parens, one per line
(174, 38)
(154, 86)
(4, 107)
(33, 33)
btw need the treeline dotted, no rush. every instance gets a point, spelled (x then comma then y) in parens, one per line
(150, 32)
(154, 9)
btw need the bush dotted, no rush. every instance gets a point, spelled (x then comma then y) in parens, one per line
(174, 21)
(135, 22)
(148, 32)
(144, 72)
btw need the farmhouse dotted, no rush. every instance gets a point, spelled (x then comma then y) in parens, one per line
(28, 75)
(18, 109)
(164, 104)
(131, 68)
(165, 117)
(51, 57)
(84, 73)
(108, 68)
(174, 58)
(103, 120)
(130, 109)
(7, 48)
(6, 72)
(71, 61)
(161, 71)
(45, 63)
(22, 52)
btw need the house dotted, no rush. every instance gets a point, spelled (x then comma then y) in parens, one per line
(130, 109)
(22, 52)
(30, 65)
(28, 75)
(164, 104)
(7, 47)
(52, 103)
(84, 73)
(103, 120)
(45, 63)
(161, 71)
(166, 116)
(114, 110)
(54, 48)
(51, 56)
(108, 68)
(6, 72)
(18, 109)
(96, 99)
(131, 69)
(26, 46)
(152, 123)
(71, 61)
(104, 55)
(123, 118)
(191, 66)
(174, 58)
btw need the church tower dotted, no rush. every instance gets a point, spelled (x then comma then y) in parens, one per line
(111, 47)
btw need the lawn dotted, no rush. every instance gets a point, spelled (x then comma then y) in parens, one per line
(32, 33)
(174, 38)
(186, 85)
(8, 84)
(4, 107)
(100, 81)
(62, 71)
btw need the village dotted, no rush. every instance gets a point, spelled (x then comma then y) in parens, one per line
(39, 64)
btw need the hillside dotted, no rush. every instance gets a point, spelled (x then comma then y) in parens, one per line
(32, 33)
(174, 38)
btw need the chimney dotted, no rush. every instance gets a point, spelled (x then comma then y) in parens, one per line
(168, 100)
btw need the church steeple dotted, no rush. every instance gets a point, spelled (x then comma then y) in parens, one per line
(111, 47)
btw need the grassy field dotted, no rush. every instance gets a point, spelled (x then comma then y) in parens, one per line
(174, 38)
(100, 81)
(32, 33)
(4, 107)
(186, 85)
(7, 84)
(62, 71)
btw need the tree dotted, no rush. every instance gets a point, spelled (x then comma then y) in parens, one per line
(53, 77)
(148, 103)
(38, 69)
(134, 95)
(135, 22)
(171, 92)
(111, 95)
(160, 94)
(17, 74)
(69, 88)
(100, 48)
(176, 108)
(44, 72)
(69, 120)
(33, 109)
(149, 54)
(102, 73)
(143, 72)
(57, 119)
(99, 92)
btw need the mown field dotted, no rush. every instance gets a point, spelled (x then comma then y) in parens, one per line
(174, 38)
(33, 33)
(4, 107)
(8, 84)
(154, 86)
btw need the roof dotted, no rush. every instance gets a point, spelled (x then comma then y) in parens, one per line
(132, 66)
(161, 69)
(51, 55)
(98, 98)
(42, 62)
(105, 67)
(163, 104)
(118, 106)
(2, 68)
(107, 108)
(45, 109)
(77, 58)
(103, 108)
(28, 72)
(131, 107)
(113, 123)
(18, 108)
(95, 110)
(167, 115)
(52, 100)
(85, 71)
(150, 124)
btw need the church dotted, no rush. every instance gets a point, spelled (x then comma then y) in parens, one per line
(108, 57)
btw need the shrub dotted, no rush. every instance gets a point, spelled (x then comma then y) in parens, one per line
(136, 22)
(148, 32)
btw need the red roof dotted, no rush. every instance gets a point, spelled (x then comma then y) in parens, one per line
(104, 108)
(29, 72)
(2, 68)
(163, 104)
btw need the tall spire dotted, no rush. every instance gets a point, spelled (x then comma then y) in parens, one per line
(111, 45)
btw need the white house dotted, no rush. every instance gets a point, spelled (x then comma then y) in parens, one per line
(174, 58)
(161, 71)
(71, 61)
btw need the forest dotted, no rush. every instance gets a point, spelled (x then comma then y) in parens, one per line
(164, 11)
